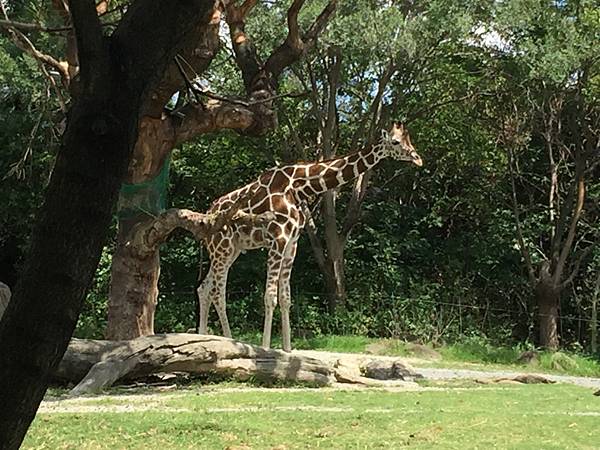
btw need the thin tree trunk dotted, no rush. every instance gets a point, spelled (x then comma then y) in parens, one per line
(335, 279)
(547, 297)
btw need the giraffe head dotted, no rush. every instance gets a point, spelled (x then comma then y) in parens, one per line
(396, 143)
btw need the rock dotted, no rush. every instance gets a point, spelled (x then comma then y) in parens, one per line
(524, 378)
(422, 351)
(529, 378)
(560, 361)
(346, 373)
(388, 370)
(597, 393)
(376, 348)
(530, 357)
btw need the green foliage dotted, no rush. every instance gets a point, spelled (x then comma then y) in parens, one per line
(435, 257)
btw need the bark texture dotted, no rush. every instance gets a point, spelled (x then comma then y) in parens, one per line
(4, 298)
(547, 297)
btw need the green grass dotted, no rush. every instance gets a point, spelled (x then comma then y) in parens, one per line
(485, 354)
(347, 344)
(478, 353)
(448, 417)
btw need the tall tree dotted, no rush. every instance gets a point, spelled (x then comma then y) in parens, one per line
(134, 274)
(356, 84)
(134, 280)
(119, 73)
(549, 126)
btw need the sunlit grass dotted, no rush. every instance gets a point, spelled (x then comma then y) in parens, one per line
(447, 416)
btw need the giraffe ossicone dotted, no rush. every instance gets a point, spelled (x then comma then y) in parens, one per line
(282, 191)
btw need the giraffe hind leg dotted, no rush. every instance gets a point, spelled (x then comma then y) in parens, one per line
(204, 303)
(275, 259)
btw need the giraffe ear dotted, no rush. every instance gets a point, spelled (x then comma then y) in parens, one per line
(384, 135)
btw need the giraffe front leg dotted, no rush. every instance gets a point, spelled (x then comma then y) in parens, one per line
(275, 259)
(222, 312)
(270, 303)
(285, 298)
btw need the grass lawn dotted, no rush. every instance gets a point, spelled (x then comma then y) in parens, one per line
(449, 416)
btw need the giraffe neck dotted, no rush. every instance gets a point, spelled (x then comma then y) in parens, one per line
(325, 175)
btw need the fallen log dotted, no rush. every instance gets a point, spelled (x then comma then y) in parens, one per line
(95, 365)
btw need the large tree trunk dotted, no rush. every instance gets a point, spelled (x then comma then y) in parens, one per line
(71, 226)
(134, 276)
(133, 291)
(5, 295)
(66, 246)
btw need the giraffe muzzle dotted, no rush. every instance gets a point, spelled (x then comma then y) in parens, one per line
(416, 158)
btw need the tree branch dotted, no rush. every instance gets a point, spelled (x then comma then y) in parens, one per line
(566, 249)
(193, 30)
(23, 43)
(315, 241)
(359, 187)
(245, 53)
(575, 270)
(92, 49)
(524, 249)
(577, 122)
(146, 237)
(294, 45)
(5, 23)
(214, 115)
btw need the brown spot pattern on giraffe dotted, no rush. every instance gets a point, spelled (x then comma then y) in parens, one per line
(348, 172)
(330, 177)
(279, 181)
(280, 190)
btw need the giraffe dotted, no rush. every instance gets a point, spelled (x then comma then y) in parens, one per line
(283, 191)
